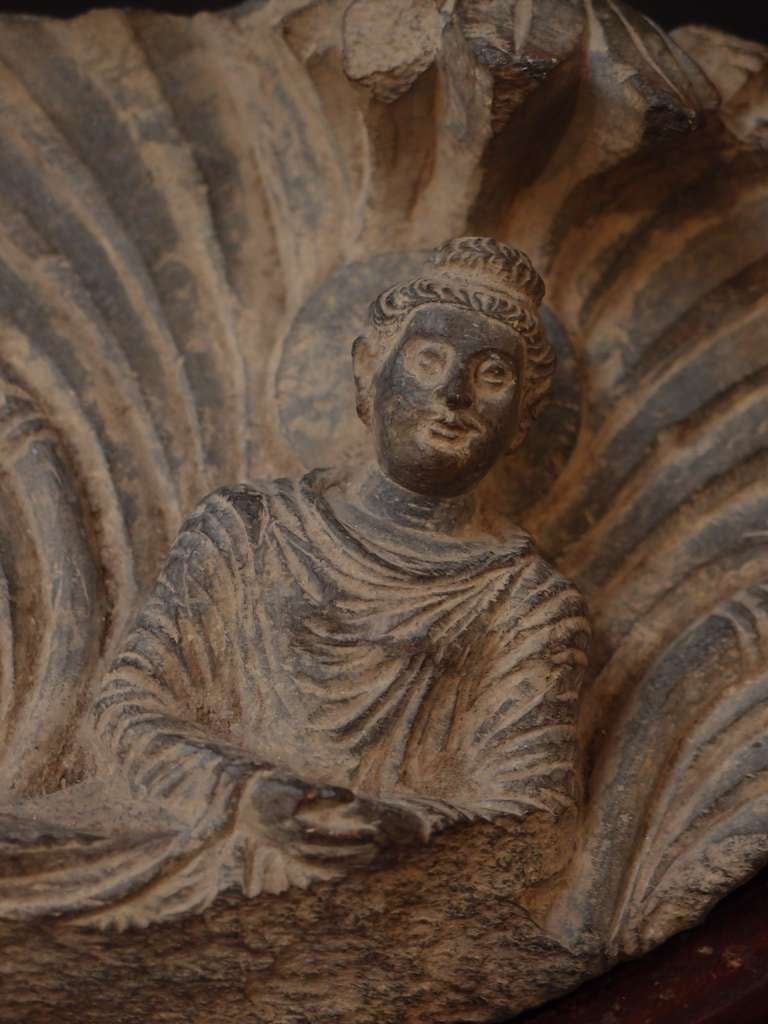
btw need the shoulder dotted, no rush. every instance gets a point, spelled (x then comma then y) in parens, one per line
(222, 528)
(246, 499)
(235, 509)
(539, 585)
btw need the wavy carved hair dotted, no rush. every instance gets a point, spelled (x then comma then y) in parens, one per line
(479, 274)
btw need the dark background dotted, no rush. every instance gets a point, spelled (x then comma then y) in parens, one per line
(744, 17)
(717, 973)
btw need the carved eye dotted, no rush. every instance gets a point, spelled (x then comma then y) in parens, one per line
(429, 359)
(426, 360)
(495, 373)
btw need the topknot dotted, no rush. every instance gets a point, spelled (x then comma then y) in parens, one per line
(489, 264)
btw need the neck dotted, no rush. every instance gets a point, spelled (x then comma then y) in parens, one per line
(384, 498)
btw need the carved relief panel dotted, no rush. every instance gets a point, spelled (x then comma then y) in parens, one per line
(382, 504)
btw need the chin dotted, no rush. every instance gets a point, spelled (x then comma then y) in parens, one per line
(434, 466)
(440, 474)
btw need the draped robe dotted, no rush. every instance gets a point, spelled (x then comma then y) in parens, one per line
(405, 665)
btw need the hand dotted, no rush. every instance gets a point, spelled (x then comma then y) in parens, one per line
(326, 823)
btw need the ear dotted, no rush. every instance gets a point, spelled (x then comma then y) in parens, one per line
(364, 368)
(517, 440)
(525, 416)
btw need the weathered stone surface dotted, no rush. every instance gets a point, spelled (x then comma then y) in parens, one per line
(183, 201)
(387, 46)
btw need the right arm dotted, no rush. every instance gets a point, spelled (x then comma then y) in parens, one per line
(180, 667)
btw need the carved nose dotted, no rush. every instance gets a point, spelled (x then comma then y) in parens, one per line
(456, 396)
(456, 399)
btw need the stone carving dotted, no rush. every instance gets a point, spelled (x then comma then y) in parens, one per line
(195, 213)
(331, 669)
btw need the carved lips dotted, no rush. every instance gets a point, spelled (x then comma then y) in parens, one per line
(453, 428)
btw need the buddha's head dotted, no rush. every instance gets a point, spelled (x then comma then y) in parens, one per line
(453, 366)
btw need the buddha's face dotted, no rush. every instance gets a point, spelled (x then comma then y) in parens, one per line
(446, 404)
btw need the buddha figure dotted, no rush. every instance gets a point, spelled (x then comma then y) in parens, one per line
(334, 669)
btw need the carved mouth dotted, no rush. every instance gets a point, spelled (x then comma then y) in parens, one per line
(447, 429)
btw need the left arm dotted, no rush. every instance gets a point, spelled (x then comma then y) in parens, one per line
(523, 728)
